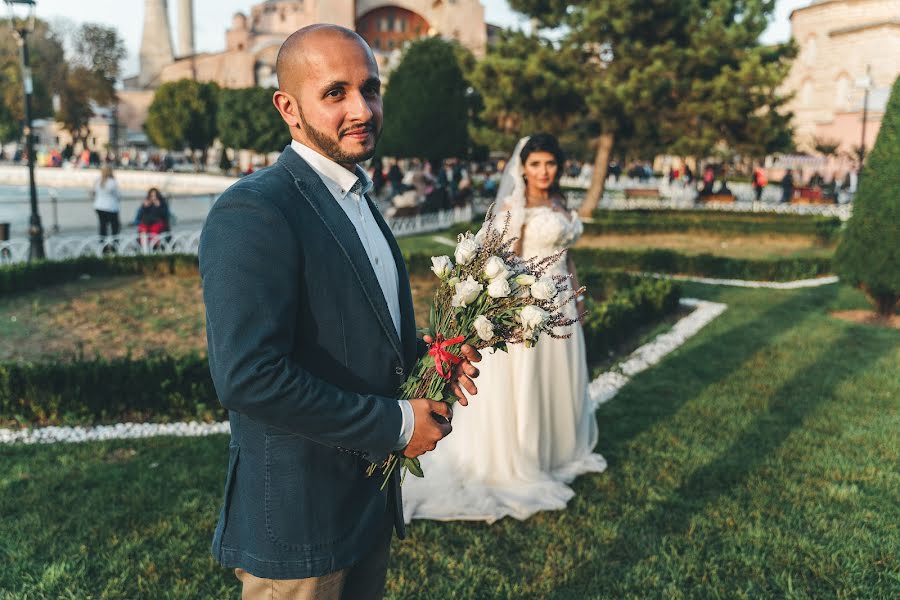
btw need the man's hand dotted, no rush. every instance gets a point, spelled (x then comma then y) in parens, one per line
(461, 375)
(428, 431)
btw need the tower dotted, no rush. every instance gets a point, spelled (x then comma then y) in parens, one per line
(185, 27)
(156, 42)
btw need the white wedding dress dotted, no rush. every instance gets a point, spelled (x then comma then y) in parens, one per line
(531, 429)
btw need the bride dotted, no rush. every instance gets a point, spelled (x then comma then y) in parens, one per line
(533, 430)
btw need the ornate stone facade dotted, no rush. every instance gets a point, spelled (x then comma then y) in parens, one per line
(252, 42)
(839, 41)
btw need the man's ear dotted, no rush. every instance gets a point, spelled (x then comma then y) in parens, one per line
(288, 107)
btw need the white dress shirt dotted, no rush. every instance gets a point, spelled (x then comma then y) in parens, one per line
(340, 182)
(106, 195)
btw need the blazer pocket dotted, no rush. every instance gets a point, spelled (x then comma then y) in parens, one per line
(312, 496)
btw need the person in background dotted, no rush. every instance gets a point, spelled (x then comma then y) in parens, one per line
(709, 178)
(787, 186)
(378, 178)
(106, 201)
(759, 182)
(395, 178)
(152, 219)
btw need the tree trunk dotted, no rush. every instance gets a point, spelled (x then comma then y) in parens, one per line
(598, 176)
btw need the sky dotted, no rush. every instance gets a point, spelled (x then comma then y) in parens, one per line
(213, 17)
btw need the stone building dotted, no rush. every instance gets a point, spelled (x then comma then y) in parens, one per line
(253, 40)
(842, 43)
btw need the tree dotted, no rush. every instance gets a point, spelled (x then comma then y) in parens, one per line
(527, 85)
(681, 77)
(48, 72)
(247, 120)
(869, 253)
(182, 116)
(826, 146)
(90, 77)
(425, 105)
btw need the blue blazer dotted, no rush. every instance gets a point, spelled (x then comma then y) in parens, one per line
(305, 357)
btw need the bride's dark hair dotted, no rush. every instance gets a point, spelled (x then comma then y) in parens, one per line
(544, 142)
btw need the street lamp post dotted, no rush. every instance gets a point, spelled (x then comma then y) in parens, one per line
(22, 25)
(866, 84)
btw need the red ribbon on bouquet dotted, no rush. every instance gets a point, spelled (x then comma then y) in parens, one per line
(437, 350)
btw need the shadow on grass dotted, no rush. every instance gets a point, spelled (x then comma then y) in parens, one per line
(699, 367)
(790, 405)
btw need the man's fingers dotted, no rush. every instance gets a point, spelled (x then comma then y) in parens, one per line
(470, 369)
(443, 409)
(471, 354)
(467, 384)
(457, 391)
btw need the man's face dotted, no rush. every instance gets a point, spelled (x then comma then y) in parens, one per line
(339, 101)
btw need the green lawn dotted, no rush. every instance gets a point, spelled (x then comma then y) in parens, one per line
(757, 461)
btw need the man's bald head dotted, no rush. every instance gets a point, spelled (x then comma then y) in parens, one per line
(308, 41)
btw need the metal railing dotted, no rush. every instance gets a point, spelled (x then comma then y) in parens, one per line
(188, 241)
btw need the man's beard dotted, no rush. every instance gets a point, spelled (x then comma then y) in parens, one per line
(331, 147)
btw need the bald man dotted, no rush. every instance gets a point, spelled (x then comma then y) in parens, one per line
(311, 333)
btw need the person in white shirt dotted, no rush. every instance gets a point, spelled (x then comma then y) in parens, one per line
(106, 202)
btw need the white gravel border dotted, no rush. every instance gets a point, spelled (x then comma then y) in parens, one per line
(606, 386)
(119, 431)
(601, 390)
(772, 285)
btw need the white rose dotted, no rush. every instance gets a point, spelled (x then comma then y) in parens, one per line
(441, 265)
(495, 268)
(467, 292)
(499, 288)
(524, 279)
(465, 250)
(531, 317)
(544, 289)
(484, 328)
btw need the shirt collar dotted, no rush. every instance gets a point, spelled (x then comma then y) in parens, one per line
(336, 178)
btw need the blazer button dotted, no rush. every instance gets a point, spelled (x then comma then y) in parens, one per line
(399, 370)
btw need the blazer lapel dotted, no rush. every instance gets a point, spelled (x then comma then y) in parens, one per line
(338, 224)
(407, 314)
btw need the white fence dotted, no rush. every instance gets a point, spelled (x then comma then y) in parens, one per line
(188, 241)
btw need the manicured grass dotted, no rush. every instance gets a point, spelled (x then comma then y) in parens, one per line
(750, 246)
(757, 461)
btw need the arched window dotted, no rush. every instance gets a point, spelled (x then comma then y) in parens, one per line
(842, 92)
(810, 49)
(806, 94)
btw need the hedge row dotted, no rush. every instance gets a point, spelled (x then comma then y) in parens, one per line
(22, 277)
(702, 265)
(159, 388)
(825, 229)
(616, 319)
(164, 388)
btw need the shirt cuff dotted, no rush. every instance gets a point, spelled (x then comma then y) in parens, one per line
(407, 425)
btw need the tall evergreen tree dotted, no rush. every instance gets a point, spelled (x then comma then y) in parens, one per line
(869, 253)
(680, 77)
(425, 104)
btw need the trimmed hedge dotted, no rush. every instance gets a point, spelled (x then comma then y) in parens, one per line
(702, 265)
(164, 388)
(160, 388)
(22, 277)
(610, 323)
(825, 229)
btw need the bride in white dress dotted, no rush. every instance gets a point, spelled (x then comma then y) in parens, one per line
(532, 430)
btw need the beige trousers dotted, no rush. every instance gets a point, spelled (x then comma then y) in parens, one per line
(362, 581)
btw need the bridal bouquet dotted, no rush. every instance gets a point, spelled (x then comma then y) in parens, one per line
(490, 298)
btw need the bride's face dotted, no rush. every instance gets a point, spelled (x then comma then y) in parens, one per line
(540, 171)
